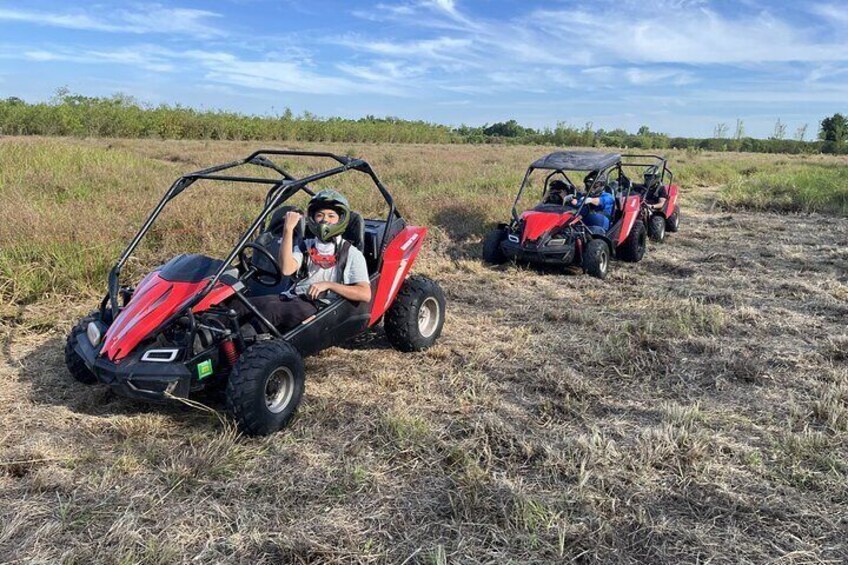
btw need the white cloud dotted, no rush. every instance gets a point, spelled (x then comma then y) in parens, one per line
(288, 76)
(383, 71)
(224, 68)
(146, 19)
(439, 49)
(692, 36)
(640, 76)
(831, 12)
(146, 57)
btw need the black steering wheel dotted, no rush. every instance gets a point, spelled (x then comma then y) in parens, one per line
(262, 275)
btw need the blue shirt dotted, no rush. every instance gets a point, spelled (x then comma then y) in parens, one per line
(605, 207)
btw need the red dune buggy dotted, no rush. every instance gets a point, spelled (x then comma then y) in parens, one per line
(658, 183)
(556, 233)
(176, 333)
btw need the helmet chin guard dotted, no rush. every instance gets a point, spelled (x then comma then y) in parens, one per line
(333, 200)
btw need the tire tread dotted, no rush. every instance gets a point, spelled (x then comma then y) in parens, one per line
(401, 319)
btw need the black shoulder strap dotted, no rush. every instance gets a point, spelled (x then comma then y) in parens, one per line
(341, 262)
(303, 271)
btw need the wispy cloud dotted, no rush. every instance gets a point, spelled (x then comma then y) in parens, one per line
(439, 49)
(640, 76)
(145, 19)
(143, 56)
(292, 76)
(835, 13)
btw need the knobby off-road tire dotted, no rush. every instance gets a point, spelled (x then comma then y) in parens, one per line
(596, 258)
(492, 252)
(265, 387)
(633, 248)
(76, 366)
(672, 224)
(656, 228)
(415, 319)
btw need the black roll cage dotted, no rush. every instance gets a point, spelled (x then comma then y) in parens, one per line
(281, 190)
(661, 163)
(605, 172)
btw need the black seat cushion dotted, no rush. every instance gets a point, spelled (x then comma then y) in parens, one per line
(278, 222)
(355, 231)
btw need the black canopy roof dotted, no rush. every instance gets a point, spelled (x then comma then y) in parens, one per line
(577, 161)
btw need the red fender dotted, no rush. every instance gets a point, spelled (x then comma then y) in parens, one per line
(217, 295)
(671, 201)
(632, 208)
(397, 260)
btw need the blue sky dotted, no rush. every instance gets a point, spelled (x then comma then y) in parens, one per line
(678, 66)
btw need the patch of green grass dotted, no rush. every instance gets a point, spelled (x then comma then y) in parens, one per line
(405, 430)
(801, 188)
(683, 320)
(29, 270)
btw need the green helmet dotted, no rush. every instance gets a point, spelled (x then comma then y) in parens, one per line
(333, 200)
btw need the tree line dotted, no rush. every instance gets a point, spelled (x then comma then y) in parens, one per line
(69, 114)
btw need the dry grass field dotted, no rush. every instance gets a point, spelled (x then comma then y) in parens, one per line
(691, 408)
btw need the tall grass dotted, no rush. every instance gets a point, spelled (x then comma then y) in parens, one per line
(68, 207)
(801, 188)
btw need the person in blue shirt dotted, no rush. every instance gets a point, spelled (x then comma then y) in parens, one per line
(597, 203)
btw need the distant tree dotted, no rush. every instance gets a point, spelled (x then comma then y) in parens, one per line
(834, 133)
(779, 130)
(510, 128)
(720, 130)
(834, 128)
(588, 137)
(740, 130)
(801, 133)
(644, 131)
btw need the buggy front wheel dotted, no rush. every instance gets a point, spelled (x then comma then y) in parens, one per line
(596, 258)
(492, 252)
(76, 366)
(656, 228)
(415, 319)
(265, 387)
(633, 248)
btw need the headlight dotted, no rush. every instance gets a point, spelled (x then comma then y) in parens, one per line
(93, 333)
(558, 242)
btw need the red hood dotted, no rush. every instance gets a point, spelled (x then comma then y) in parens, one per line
(154, 301)
(536, 224)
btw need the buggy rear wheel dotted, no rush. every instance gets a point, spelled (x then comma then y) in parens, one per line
(656, 228)
(415, 319)
(596, 258)
(492, 252)
(672, 224)
(265, 387)
(76, 366)
(633, 248)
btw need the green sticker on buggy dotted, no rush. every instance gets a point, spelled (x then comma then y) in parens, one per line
(204, 369)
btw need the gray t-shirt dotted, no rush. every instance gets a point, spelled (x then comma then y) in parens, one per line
(356, 270)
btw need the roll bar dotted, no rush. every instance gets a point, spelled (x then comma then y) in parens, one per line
(281, 190)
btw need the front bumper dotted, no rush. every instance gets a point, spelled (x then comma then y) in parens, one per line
(530, 252)
(133, 378)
